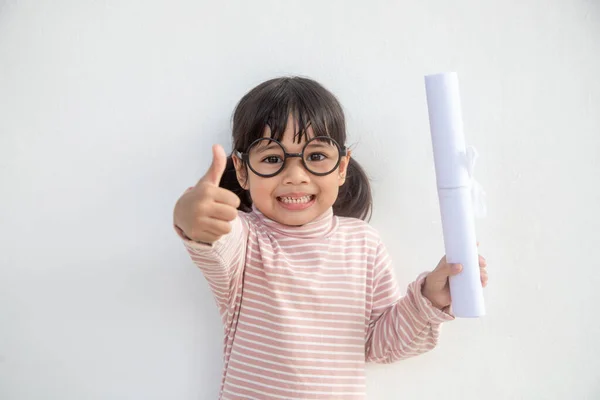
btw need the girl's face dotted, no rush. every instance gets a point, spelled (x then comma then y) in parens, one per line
(294, 196)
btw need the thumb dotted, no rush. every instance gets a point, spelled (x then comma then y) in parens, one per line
(439, 276)
(217, 168)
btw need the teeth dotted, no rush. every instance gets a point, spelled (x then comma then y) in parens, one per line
(296, 200)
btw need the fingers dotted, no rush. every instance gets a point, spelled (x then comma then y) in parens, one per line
(217, 168)
(484, 277)
(482, 266)
(223, 212)
(213, 218)
(226, 197)
(209, 230)
(217, 227)
(482, 271)
(482, 262)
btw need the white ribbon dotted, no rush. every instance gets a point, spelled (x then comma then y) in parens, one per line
(477, 192)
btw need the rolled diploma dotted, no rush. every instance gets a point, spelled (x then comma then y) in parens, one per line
(454, 192)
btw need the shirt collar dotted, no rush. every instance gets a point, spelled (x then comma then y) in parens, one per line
(320, 227)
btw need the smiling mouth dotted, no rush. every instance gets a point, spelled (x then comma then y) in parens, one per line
(296, 200)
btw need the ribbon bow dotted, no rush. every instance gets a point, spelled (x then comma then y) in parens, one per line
(477, 192)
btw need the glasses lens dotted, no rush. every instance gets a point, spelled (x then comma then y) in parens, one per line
(266, 157)
(321, 155)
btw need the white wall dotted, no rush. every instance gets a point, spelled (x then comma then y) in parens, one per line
(108, 110)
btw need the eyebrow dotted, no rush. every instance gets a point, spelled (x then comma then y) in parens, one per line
(320, 145)
(317, 144)
(262, 149)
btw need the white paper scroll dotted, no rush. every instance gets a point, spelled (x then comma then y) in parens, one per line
(460, 197)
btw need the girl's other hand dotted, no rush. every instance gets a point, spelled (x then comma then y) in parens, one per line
(437, 287)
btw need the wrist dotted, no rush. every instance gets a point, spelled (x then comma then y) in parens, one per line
(431, 297)
(180, 232)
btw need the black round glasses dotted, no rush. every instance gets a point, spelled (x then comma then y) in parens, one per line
(266, 157)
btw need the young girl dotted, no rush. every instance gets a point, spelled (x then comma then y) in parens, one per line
(305, 288)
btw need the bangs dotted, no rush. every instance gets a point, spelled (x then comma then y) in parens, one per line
(274, 102)
(302, 119)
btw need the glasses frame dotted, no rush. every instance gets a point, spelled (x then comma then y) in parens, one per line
(342, 152)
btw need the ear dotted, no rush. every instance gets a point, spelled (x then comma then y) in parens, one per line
(240, 172)
(343, 168)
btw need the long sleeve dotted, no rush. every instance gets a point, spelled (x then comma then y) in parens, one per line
(400, 326)
(221, 263)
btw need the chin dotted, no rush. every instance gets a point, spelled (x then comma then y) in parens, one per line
(296, 221)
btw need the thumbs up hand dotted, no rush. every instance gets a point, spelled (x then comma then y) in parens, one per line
(204, 213)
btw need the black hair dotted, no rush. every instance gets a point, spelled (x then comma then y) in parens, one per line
(271, 104)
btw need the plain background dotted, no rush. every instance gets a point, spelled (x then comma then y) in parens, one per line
(108, 110)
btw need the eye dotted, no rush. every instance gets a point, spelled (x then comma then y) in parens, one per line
(316, 157)
(272, 159)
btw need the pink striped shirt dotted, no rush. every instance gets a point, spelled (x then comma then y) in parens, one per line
(304, 308)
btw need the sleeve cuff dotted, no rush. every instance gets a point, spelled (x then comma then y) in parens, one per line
(190, 244)
(222, 247)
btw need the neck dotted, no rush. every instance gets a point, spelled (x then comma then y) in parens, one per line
(320, 227)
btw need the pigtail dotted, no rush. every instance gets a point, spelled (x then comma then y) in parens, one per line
(229, 181)
(354, 198)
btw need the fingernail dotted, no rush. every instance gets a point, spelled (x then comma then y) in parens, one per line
(456, 267)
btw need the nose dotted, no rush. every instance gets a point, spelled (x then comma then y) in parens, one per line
(294, 172)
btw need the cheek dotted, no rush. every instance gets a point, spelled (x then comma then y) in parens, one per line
(261, 188)
(329, 185)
